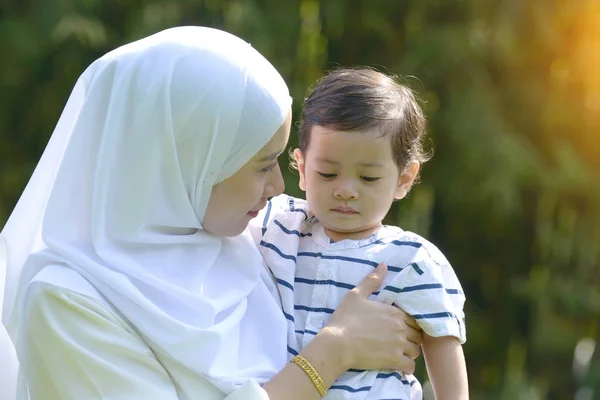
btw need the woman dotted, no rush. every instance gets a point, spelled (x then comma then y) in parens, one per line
(136, 278)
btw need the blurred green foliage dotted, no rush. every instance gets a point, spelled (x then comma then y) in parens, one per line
(512, 92)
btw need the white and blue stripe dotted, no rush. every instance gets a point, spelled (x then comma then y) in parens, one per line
(313, 275)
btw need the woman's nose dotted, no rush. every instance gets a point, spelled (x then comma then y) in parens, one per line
(275, 185)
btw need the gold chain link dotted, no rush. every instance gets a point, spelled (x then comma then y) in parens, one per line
(312, 374)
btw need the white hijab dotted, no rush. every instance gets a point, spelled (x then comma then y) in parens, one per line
(121, 191)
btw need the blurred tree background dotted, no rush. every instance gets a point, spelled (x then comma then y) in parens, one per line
(511, 89)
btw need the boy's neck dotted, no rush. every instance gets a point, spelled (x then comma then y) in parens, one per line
(356, 235)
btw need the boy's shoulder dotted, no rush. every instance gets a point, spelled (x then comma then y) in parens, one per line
(393, 236)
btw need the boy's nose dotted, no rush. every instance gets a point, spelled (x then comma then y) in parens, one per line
(346, 191)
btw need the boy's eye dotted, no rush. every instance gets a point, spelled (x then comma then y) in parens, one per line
(369, 178)
(326, 176)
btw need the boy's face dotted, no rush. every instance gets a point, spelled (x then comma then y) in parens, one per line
(351, 180)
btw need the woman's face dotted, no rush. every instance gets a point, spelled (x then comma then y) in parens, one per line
(236, 200)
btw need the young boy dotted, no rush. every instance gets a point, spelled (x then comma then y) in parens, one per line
(360, 148)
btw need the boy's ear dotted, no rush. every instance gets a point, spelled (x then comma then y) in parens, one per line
(406, 180)
(299, 157)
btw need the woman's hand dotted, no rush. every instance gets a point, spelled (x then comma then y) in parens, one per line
(372, 335)
(361, 334)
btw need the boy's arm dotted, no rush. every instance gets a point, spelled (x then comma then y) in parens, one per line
(446, 367)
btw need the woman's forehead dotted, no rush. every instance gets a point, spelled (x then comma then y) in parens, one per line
(277, 144)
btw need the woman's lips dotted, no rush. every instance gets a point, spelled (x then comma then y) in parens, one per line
(255, 213)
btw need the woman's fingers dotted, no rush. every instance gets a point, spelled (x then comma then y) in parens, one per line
(372, 282)
(406, 365)
(412, 350)
(414, 336)
(410, 321)
(375, 335)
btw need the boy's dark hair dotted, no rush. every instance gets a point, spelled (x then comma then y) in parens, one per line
(364, 99)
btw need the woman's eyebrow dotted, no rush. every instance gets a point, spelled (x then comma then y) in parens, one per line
(327, 161)
(270, 157)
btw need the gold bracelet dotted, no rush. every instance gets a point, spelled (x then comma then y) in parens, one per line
(312, 374)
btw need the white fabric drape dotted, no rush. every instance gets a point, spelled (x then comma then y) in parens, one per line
(120, 193)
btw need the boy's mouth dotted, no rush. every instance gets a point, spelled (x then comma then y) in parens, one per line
(345, 210)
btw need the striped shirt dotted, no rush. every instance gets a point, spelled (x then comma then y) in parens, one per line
(313, 274)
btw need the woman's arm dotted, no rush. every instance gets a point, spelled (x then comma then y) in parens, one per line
(292, 383)
(361, 334)
(446, 367)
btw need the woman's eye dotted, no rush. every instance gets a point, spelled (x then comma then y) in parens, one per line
(369, 178)
(326, 176)
(269, 168)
